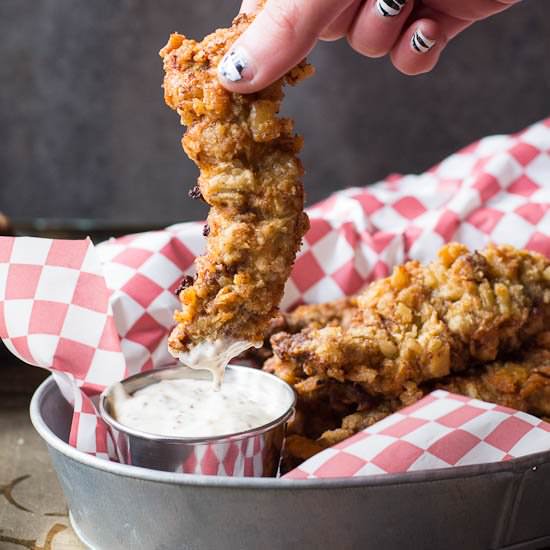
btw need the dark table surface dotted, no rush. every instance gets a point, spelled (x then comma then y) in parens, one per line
(85, 132)
(33, 513)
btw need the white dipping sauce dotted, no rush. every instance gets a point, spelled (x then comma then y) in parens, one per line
(212, 356)
(189, 407)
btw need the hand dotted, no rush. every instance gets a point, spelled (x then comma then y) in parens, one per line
(413, 34)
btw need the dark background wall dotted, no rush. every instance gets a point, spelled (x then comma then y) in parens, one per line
(84, 131)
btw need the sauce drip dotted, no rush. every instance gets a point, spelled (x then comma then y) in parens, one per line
(213, 356)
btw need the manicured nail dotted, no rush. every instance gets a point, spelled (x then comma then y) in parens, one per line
(421, 43)
(390, 8)
(233, 65)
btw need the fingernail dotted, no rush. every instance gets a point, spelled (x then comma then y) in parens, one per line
(235, 66)
(421, 43)
(390, 8)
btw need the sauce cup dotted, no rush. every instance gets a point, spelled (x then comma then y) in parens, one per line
(252, 453)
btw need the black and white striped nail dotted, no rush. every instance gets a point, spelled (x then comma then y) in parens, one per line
(421, 43)
(233, 64)
(390, 8)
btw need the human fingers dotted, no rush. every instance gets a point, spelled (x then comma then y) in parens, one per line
(378, 26)
(422, 42)
(282, 34)
(470, 10)
(339, 27)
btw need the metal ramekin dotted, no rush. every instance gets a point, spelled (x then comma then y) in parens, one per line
(253, 453)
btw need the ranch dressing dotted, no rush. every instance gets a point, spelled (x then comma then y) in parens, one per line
(212, 356)
(188, 407)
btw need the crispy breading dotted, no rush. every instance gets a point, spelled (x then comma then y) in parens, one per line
(424, 322)
(251, 178)
(339, 312)
(521, 383)
(440, 325)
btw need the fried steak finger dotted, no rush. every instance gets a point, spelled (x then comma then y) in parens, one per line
(251, 178)
(424, 322)
(521, 383)
(425, 327)
(339, 312)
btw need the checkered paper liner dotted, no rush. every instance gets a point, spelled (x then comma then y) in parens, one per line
(245, 458)
(440, 431)
(96, 315)
(254, 456)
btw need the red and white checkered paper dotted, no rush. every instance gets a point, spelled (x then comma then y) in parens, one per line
(440, 431)
(247, 457)
(95, 315)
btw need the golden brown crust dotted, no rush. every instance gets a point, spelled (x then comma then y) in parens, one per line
(440, 325)
(250, 176)
(339, 312)
(424, 322)
(521, 383)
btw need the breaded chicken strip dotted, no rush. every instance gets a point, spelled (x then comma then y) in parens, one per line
(251, 178)
(424, 322)
(339, 312)
(521, 383)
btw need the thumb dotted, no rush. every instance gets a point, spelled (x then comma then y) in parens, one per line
(282, 34)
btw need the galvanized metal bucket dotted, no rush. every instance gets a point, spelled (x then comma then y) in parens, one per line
(116, 506)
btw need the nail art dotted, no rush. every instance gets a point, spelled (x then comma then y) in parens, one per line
(233, 64)
(390, 8)
(421, 43)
